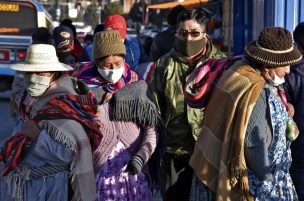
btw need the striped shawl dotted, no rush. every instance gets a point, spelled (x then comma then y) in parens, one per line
(66, 116)
(218, 158)
(88, 73)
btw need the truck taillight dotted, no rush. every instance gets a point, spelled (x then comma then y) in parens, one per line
(21, 54)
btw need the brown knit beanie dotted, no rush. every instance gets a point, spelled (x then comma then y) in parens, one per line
(108, 43)
(274, 48)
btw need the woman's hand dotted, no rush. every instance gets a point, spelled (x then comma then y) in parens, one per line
(30, 129)
(135, 165)
(290, 110)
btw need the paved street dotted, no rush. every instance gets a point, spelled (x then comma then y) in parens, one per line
(6, 122)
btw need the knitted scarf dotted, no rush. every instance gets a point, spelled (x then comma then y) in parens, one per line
(203, 79)
(81, 108)
(88, 73)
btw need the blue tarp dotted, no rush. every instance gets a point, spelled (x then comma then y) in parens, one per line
(7, 71)
(251, 16)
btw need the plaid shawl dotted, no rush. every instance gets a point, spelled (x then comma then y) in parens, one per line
(88, 73)
(81, 108)
(203, 79)
(218, 158)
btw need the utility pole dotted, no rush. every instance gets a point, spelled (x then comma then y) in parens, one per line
(58, 11)
(143, 12)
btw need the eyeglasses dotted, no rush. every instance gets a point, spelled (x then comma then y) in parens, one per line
(193, 34)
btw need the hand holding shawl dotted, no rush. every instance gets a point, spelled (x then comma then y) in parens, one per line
(30, 130)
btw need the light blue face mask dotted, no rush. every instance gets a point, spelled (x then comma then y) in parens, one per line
(36, 85)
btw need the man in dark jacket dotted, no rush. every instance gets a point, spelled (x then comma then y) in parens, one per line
(294, 88)
(163, 42)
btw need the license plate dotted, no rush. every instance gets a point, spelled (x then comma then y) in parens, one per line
(4, 55)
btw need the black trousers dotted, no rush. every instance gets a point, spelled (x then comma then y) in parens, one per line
(178, 178)
(297, 175)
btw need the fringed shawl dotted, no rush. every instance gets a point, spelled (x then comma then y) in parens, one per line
(218, 158)
(133, 103)
(88, 73)
(82, 109)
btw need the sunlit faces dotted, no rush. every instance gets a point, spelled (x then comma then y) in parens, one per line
(275, 76)
(190, 30)
(36, 83)
(111, 68)
(45, 74)
(110, 62)
(279, 71)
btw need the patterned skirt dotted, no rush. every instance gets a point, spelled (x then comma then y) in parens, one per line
(200, 192)
(114, 183)
(279, 186)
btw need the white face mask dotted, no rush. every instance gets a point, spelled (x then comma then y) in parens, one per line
(276, 81)
(36, 85)
(112, 75)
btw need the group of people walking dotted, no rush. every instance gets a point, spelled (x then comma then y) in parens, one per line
(194, 125)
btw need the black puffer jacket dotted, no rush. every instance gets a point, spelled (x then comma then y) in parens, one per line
(294, 88)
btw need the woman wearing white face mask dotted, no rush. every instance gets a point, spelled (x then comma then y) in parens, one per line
(36, 83)
(109, 70)
(243, 151)
(131, 122)
(49, 132)
(276, 75)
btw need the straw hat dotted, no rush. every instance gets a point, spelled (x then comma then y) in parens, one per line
(274, 48)
(41, 58)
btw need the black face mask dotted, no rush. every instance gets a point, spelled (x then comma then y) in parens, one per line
(189, 48)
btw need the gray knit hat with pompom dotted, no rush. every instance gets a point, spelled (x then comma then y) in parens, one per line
(108, 43)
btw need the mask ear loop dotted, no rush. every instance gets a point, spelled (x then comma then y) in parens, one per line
(52, 82)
